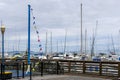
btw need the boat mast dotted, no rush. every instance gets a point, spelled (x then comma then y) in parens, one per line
(92, 48)
(113, 44)
(51, 42)
(85, 40)
(57, 46)
(46, 44)
(93, 42)
(65, 42)
(119, 40)
(19, 44)
(108, 45)
(81, 50)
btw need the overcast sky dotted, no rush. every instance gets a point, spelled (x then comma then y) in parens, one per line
(58, 16)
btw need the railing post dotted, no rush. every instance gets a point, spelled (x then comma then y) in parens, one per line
(17, 70)
(30, 71)
(41, 68)
(118, 69)
(23, 69)
(84, 67)
(57, 67)
(100, 68)
(1, 71)
(69, 67)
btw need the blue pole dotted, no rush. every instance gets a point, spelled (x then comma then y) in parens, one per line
(28, 34)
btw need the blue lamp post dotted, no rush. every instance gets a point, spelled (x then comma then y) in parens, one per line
(2, 31)
(28, 70)
(29, 7)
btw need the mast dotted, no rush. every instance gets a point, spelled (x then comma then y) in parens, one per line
(51, 42)
(46, 44)
(118, 41)
(93, 42)
(19, 44)
(113, 44)
(92, 48)
(81, 49)
(108, 45)
(85, 39)
(65, 42)
(57, 46)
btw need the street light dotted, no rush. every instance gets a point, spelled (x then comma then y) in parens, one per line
(2, 31)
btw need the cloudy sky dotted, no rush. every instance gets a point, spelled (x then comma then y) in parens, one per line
(59, 16)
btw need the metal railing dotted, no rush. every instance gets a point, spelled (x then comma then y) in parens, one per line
(16, 68)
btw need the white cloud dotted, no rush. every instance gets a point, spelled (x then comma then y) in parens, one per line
(58, 15)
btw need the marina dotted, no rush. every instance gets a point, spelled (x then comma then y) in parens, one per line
(64, 54)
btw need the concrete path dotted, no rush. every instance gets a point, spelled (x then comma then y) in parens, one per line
(62, 77)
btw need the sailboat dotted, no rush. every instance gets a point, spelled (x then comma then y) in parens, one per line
(17, 55)
(39, 55)
(113, 56)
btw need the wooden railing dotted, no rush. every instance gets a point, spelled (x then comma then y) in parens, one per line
(91, 67)
(82, 67)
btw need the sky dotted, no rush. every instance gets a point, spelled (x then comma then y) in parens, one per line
(58, 17)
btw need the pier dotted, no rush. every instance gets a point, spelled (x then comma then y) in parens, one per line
(41, 68)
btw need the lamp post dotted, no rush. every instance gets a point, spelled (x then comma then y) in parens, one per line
(2, 31)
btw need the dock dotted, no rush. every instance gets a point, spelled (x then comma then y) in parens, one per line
(63, 70)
